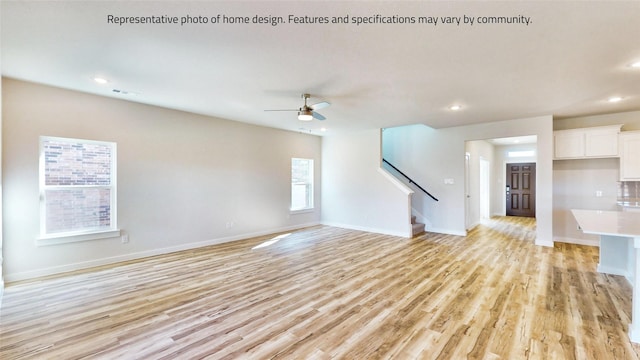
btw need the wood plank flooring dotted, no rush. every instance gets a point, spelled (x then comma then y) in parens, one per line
(324, 292)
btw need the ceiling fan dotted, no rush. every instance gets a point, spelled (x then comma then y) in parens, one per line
(308, 112)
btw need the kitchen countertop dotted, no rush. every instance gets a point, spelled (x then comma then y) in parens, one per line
(614, 223)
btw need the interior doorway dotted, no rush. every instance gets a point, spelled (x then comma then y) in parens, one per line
(467, 192)
(520, 189)
(485, 164)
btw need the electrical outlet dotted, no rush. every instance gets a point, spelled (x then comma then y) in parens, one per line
(125, 239)
(598, 193)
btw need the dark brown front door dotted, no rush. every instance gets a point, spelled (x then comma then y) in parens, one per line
(521, 189)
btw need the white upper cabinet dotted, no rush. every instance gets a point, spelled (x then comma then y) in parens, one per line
(594, 142)
(568, 144)
(630, 156)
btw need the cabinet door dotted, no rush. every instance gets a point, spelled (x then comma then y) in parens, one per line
(568, 144)
(630, 156)
(601, 143)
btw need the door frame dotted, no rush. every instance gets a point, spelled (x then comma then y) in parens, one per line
(485, 189)
(503, 194)
(467, 189)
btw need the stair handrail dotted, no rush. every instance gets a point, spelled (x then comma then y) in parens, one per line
(410, 180)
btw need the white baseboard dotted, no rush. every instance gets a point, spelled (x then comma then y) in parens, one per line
(143, 254)
(616, 271)
(473, 225)
(543, 242)
(369, 229)
(588, 242)
(446, 231)
(613, 271)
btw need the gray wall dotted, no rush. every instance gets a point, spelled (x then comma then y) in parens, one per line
(357, 193)
(184, 180)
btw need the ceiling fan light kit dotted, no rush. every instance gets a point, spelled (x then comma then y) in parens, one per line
(305, 115)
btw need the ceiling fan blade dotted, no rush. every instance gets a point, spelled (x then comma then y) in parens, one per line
(285, 110)
(320, 105)
(318, 116)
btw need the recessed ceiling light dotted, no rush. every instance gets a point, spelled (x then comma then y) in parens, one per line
(323, 129)
(635, 65)
(614, 99)
(100, 80)
(455, 107)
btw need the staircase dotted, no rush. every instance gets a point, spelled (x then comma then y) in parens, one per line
(416, 227)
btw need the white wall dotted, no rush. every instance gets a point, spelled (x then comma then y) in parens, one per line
(356, 192)
(575, 182)
(434, 155)
(182, 178)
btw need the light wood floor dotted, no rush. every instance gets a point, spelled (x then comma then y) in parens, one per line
(325, 292)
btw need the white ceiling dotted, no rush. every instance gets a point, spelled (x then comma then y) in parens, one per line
(566, 62)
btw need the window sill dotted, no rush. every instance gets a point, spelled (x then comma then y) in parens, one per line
(301, 211)
(56, 239)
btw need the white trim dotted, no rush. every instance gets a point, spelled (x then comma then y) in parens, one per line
(65, 238)
(406, 234)
(446, 231)
(143, 254)
(614, 271)
(302, 211)
(394, 180)
(310, 182)
(472, 225)
(541, 242)
(587, 242)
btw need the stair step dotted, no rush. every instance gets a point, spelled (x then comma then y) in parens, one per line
(413, 219)
(417, 228)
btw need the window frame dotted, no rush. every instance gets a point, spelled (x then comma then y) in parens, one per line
(93, 233)
(311, 183)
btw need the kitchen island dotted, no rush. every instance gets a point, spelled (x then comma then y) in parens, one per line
(619, 233)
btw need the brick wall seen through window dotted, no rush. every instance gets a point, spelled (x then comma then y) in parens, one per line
(77, 185)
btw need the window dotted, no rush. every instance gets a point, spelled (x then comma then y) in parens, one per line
(301, 184)
(524, 153)
(77, 190)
